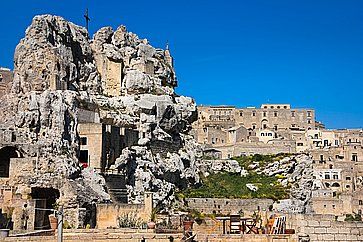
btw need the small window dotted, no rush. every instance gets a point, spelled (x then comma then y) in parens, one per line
(309, 114)
(275, 114)
(83, 156)
(360, 202)
(264, 114)
(240, 114)
(269, 134)
(253, 113)
(262, 134)
(354, 157)
(13, 137)
(292, 113)
(347, 178)
(1, 77)
(83, 140)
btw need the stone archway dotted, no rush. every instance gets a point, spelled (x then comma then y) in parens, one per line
(6, 153)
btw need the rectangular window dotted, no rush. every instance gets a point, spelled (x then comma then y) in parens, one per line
(293, 114)
(264, 114)
(309, 114)
(83, 140)
(275, 114)
(253, 113)
(354, 157)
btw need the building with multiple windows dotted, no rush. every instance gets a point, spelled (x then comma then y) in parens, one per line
(272, 128)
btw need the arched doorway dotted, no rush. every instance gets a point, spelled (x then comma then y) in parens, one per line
(6, 153)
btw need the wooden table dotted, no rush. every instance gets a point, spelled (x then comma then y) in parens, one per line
(243, 223)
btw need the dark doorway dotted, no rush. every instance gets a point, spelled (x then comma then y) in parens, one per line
(90, 215)
(6, 154)
(83, 158)
(45, 198)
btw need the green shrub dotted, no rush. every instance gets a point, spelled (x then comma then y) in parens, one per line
(228, 185)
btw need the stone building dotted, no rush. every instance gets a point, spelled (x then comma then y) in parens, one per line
(338, 174)
(272, 128)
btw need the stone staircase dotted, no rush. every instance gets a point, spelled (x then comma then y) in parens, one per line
(116, 186)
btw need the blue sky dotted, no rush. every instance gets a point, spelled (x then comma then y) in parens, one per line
(308, 53)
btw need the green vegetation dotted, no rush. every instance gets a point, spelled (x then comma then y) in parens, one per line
(353, 217)
(262, 160)
(227, 185)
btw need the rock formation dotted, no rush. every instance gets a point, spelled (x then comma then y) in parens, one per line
(59, 74)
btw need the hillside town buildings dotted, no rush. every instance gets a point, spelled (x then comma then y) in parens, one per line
(226, 132)
(272, 128)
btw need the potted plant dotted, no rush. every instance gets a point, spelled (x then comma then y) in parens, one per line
(188, 223)
(53, 221)
(5, 222)
(151, 224)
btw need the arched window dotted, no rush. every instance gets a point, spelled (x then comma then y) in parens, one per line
(335, 184)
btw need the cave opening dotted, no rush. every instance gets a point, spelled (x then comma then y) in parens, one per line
(6, 153)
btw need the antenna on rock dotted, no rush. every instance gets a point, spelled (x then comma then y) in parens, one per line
(86, 16)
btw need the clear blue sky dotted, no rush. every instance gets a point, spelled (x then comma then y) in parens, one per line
(308, 53)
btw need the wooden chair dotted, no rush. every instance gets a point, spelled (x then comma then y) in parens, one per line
(251, 226)
(235, 225)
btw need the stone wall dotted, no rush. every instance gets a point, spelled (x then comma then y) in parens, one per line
(228, 206)
(107, 214)
(325, 228)
(136, 235)
(238, 149)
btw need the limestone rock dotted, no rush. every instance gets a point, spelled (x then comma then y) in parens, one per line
(118, 80)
